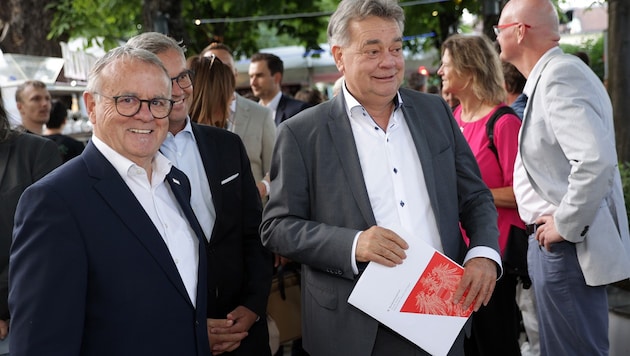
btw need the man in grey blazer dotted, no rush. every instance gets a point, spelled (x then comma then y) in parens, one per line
(252, 122)
(350, 175)
(566, 182)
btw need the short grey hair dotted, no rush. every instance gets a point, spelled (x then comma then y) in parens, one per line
(357, 10)
(156, 43)
(122, 53)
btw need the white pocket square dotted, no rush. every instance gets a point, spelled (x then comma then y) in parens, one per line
(229, 179)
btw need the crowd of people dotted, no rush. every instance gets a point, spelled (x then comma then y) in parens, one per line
(161, 234)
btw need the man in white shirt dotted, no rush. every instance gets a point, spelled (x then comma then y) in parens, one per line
(108, 256)
(357, 173)
(265, 79)
(566, 183)
(227, 203)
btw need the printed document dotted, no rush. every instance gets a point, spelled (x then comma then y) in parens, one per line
(415, 298)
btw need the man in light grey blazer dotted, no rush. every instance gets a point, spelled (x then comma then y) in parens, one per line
(252, 122)
(349, 176)
(567, 183)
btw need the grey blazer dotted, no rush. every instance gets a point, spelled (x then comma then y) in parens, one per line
(319, 202)
(253, 123)
(567, 145)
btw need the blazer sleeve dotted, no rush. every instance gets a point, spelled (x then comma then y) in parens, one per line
(34, 157)
(257, 259)
(46, 246)
(580, 123)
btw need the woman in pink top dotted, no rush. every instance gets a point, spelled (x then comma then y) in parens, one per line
(471, 70)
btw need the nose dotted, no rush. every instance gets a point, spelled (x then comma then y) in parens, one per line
(144, 113)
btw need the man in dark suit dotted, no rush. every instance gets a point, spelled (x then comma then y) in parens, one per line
(107, 256)
(265, 79)
(351, 175)
(24, 159)
(227, 203)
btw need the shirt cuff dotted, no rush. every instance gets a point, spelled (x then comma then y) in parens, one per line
(487, 252)
(267, 186)
(353, 258)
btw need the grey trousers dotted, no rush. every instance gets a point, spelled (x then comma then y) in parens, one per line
(572, 316)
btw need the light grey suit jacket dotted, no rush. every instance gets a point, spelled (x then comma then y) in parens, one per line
(567, 144)
(319, 202)
(253, 123)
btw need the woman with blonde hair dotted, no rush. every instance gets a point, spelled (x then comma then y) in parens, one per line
(471, 71)
(214, 85)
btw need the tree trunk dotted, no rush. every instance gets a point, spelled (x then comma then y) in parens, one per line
(619, 72)
(29, 24)
(164, 16)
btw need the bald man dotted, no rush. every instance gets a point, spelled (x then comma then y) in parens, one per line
(566, 183)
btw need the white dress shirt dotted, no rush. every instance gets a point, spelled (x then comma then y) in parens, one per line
(182, 150)
(394, 179)
(530, 204)
(273, 104)
(161, 206)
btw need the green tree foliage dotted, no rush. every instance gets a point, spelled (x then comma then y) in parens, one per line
(595, 50)
(104, 21)
(109, 21)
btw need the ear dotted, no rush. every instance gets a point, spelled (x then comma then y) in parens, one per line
(277, 78)
(90, 104)
(520, 34)
(337, 53)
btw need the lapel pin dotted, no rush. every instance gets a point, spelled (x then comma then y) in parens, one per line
(176, 181)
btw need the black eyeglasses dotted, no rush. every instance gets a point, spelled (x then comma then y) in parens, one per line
(184, 79)
(129, 105)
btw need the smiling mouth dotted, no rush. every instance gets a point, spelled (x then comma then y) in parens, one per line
(138, 131)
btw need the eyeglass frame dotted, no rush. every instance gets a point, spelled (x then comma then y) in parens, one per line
(497, 28)
(187, 72)
(148, 101)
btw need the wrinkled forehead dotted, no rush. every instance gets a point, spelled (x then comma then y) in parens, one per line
(136, 77)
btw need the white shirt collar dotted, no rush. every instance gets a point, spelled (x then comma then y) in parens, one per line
(273, 104)
(125, 167)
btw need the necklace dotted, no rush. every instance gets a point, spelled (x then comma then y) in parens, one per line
(464, 122)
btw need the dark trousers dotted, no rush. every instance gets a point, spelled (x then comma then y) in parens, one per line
(495, 327)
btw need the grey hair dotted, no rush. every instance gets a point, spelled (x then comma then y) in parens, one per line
(357, 10)
(122, 53)
(156, 43)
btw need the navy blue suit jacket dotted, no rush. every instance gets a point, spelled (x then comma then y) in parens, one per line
(91, 275)
(287, 107)
(239, 267)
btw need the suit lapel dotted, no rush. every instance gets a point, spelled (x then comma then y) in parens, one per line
(343, 140)
(209, 157)
(280, 110)
(119, 197)
(424, 153)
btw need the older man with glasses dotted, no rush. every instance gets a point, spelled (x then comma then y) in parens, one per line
(227, 203)
(566, 183)
(108, 257)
